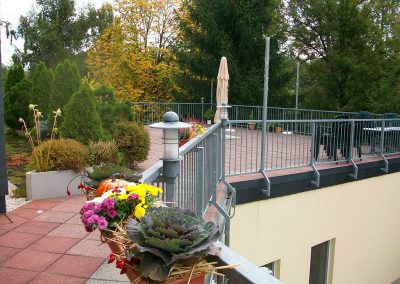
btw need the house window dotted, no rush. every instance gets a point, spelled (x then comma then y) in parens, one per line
(273, 268)
(319, 264)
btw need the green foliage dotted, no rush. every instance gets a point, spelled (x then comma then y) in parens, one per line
(212, 29)
(104, 171)
(53, 31)
(62, 154)
(133, 141)
(82, 122)
(109, 109)
(103, 152)
(209, 114)
(41, 88)
(14, 75)
(166, 235)
(65, 83)
(16, 103)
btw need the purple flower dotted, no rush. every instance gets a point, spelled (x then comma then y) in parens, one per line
(108, 204)
(94, 219)
(87, 214)
(112, 214)
(88, 206)
(97, 208)
(132, 196)
(116, 190)
(102, 222)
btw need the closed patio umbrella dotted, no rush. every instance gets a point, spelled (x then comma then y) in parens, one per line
(222, 87)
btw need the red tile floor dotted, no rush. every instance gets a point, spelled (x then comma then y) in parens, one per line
(45, 242)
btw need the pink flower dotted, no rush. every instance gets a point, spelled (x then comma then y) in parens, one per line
(116, 190)
(112, 214)
(97, 208)
(102, 222)
(88, 228)
(88, 206)
(132, 196)
(94, 219)
(108, 204)
(87, 214)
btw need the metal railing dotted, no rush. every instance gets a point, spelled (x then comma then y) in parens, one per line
(292, 144)
(149, 112)
(200, 170)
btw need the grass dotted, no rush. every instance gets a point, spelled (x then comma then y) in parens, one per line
(18, 152)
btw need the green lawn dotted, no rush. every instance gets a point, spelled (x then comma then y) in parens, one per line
(18, 152)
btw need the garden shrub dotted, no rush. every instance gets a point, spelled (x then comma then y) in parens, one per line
(111, 111)
(16, 103)
(103, 152)
(65, 83)
(41, 87)
(81, 120)
(104, 171)
(132, 140)
(62, 154)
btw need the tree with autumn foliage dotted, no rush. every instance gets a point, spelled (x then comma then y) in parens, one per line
(132, 56)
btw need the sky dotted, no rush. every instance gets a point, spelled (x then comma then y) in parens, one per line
(11, 10)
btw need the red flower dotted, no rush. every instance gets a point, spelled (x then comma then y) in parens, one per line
(121, 264)
(111, 258)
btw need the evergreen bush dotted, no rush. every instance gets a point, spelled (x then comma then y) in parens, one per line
(62, 154)
(111, 110)
(103, 152)
(65, 83)
(41, 88)
(132, 140)
(16, 103)
(81, 120)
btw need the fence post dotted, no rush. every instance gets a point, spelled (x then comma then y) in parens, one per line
(202, 108)
(200, 182)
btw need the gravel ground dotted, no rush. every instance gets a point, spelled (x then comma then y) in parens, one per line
(13, 203)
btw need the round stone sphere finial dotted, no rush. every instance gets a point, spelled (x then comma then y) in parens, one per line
(170, 116)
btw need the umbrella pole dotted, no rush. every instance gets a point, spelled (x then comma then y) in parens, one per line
(264, 119)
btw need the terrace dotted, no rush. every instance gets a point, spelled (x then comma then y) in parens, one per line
(228, 165)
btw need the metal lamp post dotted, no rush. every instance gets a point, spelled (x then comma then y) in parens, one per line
(171, 159)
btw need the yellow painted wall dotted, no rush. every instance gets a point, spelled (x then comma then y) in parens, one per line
(363, 216)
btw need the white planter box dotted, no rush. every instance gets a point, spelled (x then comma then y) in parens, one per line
(40, 185)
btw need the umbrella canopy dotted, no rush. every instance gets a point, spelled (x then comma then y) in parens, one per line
(222, 87)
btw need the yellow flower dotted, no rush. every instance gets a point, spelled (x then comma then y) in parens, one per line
(130, 187)
(122, 196)
(139, 211)
(139, 190)
(152, 189)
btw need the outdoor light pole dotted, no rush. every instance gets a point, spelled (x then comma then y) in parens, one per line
(171, 159)
(3, 160)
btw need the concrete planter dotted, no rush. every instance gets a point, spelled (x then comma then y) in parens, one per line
(40, 185)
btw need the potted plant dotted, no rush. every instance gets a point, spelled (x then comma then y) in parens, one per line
(113, 207)
(209, 116)
(278, 128)
(185, 135)
(251, 125)
(271, 127)
(167, 245)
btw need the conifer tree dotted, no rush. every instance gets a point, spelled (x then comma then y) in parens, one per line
(65, 83)
(41, 86)
(17, 103)
(81, 120)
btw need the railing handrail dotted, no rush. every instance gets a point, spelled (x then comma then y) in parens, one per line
(314, 120)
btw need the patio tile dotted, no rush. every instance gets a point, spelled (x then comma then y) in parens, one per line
(18, 240)
(11, 221)
(75, 220)
(37, 227)
(27, 213)
(3, 231)
(68, 207)
(45, 278)
(44, 204)
(55, 216)
(108, 272)
(54, 244)
(75, 265)
(77, 198)
(98, 281)
(16, 276)
(70, 230)
(31, 260)
(6, 253)
(90, 248)
(95, 235)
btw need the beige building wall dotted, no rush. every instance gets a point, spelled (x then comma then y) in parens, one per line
(362, 216)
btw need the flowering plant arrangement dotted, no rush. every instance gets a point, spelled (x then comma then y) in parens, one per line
(117, 205)
(198, 128)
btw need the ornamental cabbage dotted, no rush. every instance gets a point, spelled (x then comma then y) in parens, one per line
(167, 235)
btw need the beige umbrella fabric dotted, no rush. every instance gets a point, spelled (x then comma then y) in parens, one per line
(222, 87)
